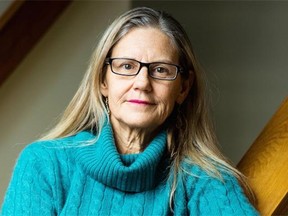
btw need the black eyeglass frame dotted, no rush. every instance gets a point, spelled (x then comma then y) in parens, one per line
(142, 64)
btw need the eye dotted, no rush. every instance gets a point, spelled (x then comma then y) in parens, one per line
(127, 66)
(124, 65)
(161, 70)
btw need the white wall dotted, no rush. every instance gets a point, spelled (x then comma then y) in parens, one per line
(43, 84)
(244, 48)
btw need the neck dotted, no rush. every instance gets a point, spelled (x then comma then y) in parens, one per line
(131, 140)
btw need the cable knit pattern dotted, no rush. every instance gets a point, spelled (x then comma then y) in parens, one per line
(64, 177)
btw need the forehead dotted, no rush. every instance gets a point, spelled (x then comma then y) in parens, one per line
(146, 44)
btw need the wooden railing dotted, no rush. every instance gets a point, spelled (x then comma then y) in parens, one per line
(266, 165)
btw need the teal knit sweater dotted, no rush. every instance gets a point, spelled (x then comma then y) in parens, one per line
(68, 177)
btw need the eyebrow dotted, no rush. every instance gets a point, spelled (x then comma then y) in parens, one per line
(168, 61)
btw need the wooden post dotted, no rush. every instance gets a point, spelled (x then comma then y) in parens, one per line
(266, 165)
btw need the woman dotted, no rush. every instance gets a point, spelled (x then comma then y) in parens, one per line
(136, 138)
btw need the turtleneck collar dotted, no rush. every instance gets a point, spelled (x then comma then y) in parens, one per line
(131, 173)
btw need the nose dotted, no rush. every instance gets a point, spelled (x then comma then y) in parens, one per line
(142, 80)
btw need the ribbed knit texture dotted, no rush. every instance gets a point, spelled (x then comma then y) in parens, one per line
(63, 177)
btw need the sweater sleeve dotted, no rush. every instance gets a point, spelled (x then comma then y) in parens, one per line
(215, 197)
(30, 189)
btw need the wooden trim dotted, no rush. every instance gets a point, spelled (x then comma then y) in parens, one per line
(24, 29)
(266, 164)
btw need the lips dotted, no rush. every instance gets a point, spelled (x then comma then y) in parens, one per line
(144, 102)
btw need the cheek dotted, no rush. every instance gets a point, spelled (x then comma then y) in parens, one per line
(173, 92)
(114, 87)
(115, 94)
(169, 98)
(117, 91)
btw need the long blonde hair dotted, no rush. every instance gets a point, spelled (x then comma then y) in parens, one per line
(192, 139)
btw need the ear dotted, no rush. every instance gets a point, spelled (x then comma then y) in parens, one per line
(185, 88)
(104, 88)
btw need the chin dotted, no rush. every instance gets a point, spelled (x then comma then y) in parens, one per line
(133, 120)
(142, 123)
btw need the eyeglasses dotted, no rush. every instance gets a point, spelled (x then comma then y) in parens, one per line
(156, 70)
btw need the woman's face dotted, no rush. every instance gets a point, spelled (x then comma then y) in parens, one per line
(142, 102)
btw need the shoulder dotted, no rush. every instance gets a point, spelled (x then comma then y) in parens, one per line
(222, 194)
(197, 178)
(48, 159)
(194, 172)
(49, 150)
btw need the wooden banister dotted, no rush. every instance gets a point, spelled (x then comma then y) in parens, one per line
(266, 165)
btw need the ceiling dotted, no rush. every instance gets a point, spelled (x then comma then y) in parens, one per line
(16, 19)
